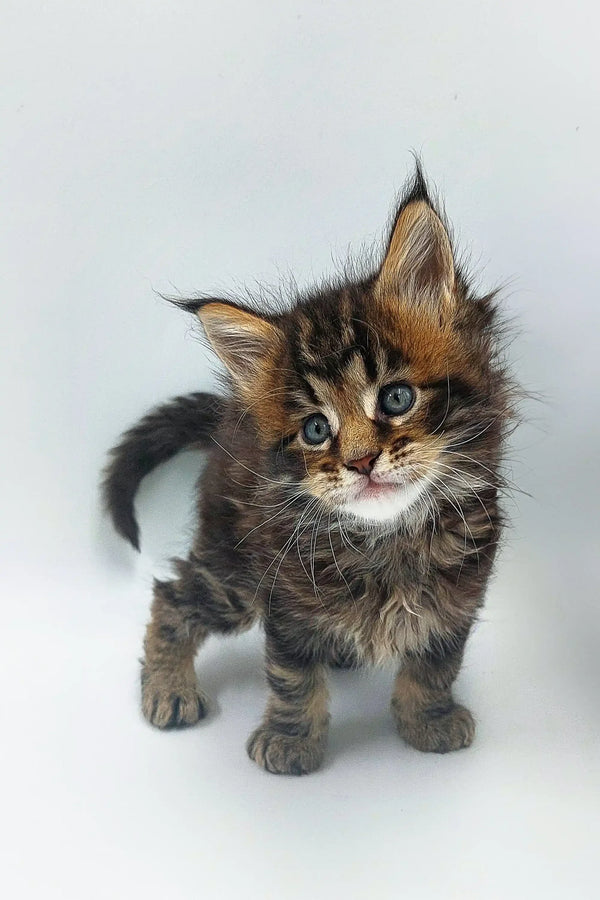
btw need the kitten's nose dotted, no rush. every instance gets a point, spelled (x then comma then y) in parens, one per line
(364, 465)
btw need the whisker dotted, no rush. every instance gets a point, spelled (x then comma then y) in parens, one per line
(252, 472)
(342, 576)
(479, 433)
(312, 551)
(260, 505)
(471, 490)
(266, 522)
(282, 550)
(463, 475)
(504, 482)
(298, 536)
(457, 507)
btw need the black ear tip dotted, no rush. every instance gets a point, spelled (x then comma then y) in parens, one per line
(189, 306)
(195, 304)
(417, 188)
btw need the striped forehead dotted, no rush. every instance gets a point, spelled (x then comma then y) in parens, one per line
(351, 390)
(343, 351)
(340, 361)
(394, 338)
(328, 346)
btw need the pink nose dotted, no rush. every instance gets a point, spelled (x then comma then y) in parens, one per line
(364, 465)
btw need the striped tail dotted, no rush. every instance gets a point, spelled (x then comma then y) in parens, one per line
(181, 423)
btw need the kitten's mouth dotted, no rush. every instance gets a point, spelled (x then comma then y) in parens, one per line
(372, 488)
(382, 501)
(378, 490)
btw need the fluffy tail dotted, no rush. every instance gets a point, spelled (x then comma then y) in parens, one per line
(171, 427)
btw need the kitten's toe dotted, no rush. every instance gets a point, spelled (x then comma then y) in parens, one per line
(437, 730)
(283, 754)
(168, 707)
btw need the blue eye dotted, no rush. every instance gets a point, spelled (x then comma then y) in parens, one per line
(316, 429)
(396, 399)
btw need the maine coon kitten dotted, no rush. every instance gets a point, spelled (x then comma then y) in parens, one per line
(349, 500)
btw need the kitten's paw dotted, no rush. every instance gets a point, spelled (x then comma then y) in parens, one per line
(284, 754)
(438, 730)
(166, 706)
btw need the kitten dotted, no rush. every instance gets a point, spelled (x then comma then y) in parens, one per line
(350, 497)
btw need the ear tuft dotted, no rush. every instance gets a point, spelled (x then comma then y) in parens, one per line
(415, 189)
(419, 255)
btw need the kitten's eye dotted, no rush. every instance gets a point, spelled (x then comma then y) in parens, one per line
(396, 399)
(316, 429)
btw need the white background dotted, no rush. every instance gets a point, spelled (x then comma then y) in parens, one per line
(185, 146)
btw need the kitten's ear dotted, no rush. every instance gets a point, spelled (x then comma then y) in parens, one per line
(243, 340)
(419, 254)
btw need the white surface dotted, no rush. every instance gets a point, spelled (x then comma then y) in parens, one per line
(197, 146)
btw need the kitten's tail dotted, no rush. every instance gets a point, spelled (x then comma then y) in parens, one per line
(163, 432)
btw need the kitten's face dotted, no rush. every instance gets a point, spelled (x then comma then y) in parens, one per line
(362, 420)
(377, 398)
(372, 407)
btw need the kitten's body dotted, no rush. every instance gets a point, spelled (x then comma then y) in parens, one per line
(340, 571)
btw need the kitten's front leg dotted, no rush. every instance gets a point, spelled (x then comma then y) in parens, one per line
(184, 612)
(422, 704)
(292, 737)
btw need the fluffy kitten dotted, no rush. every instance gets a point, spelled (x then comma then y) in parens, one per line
(349, 500)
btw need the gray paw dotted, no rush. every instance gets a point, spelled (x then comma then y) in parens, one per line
(168, 706)
(438, 730)
(285, 754)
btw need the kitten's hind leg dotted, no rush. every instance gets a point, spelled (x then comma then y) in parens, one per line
(425, 712)
(184, 612)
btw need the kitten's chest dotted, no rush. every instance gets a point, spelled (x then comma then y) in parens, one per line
(389, 616)
(391, 622)
(372, 606)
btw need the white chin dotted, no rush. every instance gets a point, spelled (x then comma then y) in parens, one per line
(385, 509)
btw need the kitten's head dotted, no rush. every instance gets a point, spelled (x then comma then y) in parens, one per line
(379, 396)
